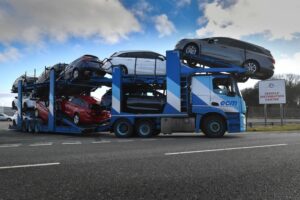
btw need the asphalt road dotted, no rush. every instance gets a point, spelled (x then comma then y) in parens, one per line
(180, 166)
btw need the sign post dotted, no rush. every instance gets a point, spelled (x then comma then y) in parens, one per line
(272, 92)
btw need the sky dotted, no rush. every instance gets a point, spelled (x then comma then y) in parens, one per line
(39, 33)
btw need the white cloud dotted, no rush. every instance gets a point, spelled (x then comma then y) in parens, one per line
(288, 64)
(142, 8)
(6, 99)
(9, 54)
(274, 19)
(163, 25)
(183, 3)
(30, 21)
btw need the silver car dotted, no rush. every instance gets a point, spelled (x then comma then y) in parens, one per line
(257, 60)
(137, 62)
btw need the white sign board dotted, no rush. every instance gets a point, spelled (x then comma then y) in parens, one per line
(272, 92)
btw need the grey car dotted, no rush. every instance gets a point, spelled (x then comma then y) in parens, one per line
(257, 60)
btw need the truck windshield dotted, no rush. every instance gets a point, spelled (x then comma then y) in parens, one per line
(225, 86)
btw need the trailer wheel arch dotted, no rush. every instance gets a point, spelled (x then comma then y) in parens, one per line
(218, 119)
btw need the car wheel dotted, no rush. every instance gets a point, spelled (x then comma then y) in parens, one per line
(213, 126)
(76, 119)
(75, 74)
(191, 49)
(124, 69)
(251, 67)
(8, 119)
(123, 128)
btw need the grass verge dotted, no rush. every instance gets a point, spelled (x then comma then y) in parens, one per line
(286, 127)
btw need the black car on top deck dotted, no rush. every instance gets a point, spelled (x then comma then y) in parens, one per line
(83, 68)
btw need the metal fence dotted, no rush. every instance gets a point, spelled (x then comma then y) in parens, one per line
(273, 112)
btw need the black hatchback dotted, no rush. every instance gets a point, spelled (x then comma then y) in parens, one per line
(83, 68)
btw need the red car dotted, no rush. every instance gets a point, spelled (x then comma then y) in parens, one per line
(84, 110)
(41, 111)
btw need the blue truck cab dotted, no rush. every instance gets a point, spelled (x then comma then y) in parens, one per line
(219, 95)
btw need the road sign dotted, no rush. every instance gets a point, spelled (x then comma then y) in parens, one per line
(272, 92)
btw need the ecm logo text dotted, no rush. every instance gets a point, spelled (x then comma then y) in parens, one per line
(228, 103)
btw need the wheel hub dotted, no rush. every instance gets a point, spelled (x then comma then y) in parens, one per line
(251, 67)
(144, 130)
(215, 127)
(191, 50)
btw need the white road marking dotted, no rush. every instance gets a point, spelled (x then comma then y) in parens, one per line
(41, 144)
(9, 145)
(76, 142)
(101, 142)
(148, 139)
(225, 149)
(123, 140)
(30, 165)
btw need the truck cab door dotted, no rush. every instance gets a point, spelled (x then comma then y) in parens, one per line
(225, 94)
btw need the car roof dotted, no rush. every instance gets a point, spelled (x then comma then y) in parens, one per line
(133, 51)
(228, 38)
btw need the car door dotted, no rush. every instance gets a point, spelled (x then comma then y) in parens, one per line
(2, 117)
(221, 48)
(160, 68)
(71, 106)
(126, 59)
(145, 64)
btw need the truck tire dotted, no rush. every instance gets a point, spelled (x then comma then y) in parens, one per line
(123, 128)
(37, 127)
(145, 128)
(24, 128)
(30, 127)
(214, 126)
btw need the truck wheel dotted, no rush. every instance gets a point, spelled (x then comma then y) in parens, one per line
(37, 127)
(145, 128)
(24, 128)
(30, 127)
(214, 126)
(123, 128)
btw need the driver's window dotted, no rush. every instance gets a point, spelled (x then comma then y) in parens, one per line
(223, 86)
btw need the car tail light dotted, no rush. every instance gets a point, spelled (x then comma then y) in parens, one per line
(273, 61)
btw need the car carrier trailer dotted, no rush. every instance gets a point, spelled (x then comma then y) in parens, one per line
(198, 98)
